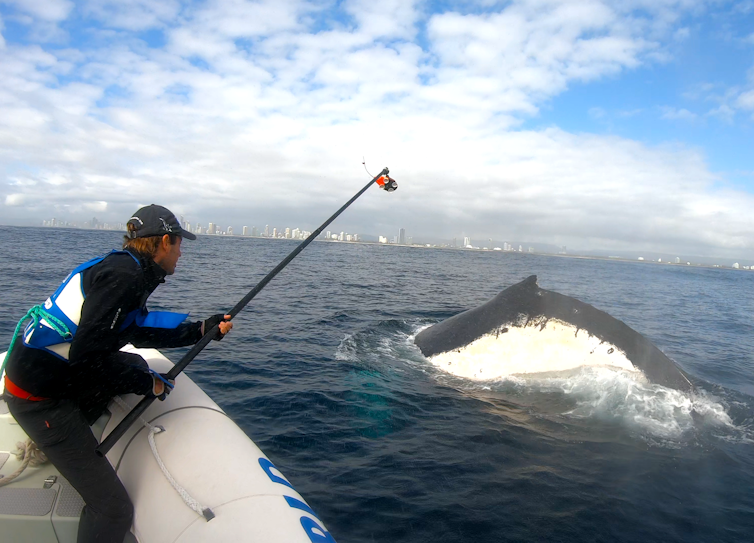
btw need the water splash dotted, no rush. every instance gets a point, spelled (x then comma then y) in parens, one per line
(644, 408)
(582, 396)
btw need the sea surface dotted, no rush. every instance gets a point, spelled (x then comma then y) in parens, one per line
(321, 372)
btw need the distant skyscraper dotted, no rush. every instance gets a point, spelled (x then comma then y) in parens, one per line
(211, 228)
(230, 230)
(402, 236)
(267, 230)
(254, 231)
(466, 241)
(274, 232)
(245, 230)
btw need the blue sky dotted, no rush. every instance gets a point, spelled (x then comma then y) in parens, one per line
(676, 100)
(596, 124)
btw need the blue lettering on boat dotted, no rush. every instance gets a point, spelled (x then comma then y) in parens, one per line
(315, 531)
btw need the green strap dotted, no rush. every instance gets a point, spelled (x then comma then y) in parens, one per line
(35, 314)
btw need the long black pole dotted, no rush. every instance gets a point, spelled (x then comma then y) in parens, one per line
(104, 447)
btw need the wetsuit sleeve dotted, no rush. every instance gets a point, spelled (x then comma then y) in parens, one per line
(164, 338)
(116, 373)
(113, 292)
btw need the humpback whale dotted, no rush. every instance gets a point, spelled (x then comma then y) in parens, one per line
(527, 329)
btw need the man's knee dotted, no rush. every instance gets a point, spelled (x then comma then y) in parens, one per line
(110, 512)
(117, 508)
(105, 523)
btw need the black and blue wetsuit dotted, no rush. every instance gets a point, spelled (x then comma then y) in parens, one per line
(68, 392)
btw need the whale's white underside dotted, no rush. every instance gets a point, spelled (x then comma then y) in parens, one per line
(537, 347)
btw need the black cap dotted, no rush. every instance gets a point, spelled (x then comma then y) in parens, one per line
(154, 220)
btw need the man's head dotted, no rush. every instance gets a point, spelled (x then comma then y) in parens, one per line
(154, 220)
(154, 231)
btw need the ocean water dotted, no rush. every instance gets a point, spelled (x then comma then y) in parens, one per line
(321, 371)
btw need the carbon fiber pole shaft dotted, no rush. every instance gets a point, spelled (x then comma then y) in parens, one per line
(118, 432)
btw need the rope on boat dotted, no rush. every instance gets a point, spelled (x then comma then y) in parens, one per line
(36, 314)
(31, 456)
(205, 512)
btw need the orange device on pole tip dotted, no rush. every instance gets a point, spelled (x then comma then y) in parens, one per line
(387, 183)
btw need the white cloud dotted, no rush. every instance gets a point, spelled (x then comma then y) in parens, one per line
(677, 114)
(682, 34)
(731, 100)
(258, 109)
(132, 14)
(47, 10)
(97, 207)
(724, 112)
(745, 7)
(597, 113)
(746, 100)
(736, 99)
(386, 19)
(15, 200)
(231, 19)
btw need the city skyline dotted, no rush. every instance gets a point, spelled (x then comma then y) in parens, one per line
(465, 242)
(449, 241)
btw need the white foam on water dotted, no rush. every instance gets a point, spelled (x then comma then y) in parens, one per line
(538, 347)
(553, 357)
(375, 350)
(650, 409)
(591, 382)
(347, 350)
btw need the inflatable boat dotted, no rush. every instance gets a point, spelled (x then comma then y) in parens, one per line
(191, 472)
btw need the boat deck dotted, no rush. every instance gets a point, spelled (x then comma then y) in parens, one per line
(39, 506)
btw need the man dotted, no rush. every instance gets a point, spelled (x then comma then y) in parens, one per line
(67, 365)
